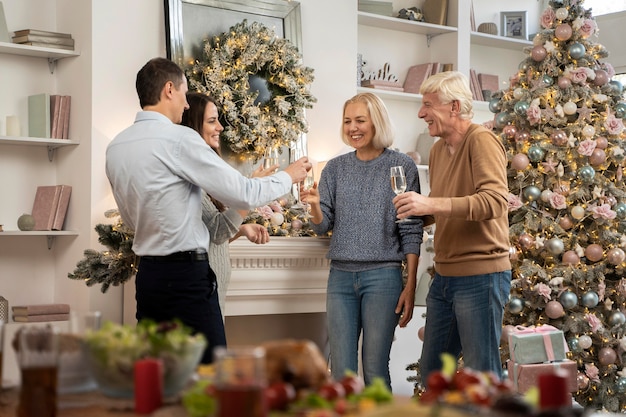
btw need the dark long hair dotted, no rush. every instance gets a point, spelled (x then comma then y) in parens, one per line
(193, 117)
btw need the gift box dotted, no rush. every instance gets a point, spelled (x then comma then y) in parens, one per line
(525, 376)
(537, 344)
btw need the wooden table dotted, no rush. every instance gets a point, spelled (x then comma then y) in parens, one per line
(89, 404)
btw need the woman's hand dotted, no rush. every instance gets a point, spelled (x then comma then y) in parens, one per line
(405, 305)
(261, 172)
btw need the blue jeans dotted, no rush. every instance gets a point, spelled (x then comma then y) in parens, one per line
(464, 315)
(362, 302)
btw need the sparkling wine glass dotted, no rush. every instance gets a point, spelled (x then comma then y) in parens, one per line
(398, 184)
(307, 184)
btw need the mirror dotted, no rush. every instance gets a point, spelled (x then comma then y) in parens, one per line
(190, 22)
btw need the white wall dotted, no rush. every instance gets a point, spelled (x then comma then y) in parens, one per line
(612, 33)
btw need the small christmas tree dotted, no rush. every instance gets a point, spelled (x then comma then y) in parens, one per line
(561, 122)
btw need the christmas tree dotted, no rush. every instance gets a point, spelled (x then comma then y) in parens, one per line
(561, 123)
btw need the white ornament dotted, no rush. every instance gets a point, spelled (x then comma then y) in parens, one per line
(561, 13)
(545, 195)
(588, 131)
(570, 107)
(518, 93)
(277, 219)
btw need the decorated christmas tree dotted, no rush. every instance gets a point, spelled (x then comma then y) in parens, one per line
(561, 123)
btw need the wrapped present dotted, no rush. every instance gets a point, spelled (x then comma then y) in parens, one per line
(537, 344)
(525, 376)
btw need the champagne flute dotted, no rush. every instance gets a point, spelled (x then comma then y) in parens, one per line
(271, 158)
(398, 184)
(307, 184)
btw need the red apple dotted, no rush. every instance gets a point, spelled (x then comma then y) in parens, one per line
(437, 382)
(331, 391)
(352, 384)
(279, 395)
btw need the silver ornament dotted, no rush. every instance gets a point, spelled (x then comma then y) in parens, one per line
(555, 245)
(568, 299)
(617, 318)
(516, 305)
(531, 193)
(589, 299)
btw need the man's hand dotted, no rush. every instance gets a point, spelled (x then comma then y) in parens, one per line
(255, 233)
(298, 169)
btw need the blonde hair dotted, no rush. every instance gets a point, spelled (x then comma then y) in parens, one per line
(383, 129)
(450, 86)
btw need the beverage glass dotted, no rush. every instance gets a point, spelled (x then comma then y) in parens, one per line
(240, 381)
(398, 184)
(37, 356)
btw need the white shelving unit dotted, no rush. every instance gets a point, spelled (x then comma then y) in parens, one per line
(52, 55)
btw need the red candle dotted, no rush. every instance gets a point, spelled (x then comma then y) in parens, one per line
(148, 385)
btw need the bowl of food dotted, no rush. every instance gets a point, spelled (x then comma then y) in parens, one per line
(112, 351)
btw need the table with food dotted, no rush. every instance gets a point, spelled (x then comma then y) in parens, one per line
(153, 369)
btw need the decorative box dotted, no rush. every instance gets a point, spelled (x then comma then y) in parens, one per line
(537, 344)
(525, 376)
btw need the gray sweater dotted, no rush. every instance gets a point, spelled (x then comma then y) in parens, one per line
(356, 200)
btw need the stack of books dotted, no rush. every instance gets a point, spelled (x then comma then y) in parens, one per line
(49, 116)
(50, 206)
(41, 312)
(43, 38)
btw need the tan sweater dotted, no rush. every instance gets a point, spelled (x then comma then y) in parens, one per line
(474, 239)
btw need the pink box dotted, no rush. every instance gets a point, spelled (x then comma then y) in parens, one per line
(525, 376)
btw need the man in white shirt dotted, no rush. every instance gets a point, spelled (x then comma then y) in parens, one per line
(157, 170)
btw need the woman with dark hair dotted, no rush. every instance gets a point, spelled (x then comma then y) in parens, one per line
(224, 224)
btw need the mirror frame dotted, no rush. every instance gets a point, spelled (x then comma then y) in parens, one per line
(287, 11)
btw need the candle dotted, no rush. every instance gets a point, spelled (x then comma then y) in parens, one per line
(13, 126)
(148, 385)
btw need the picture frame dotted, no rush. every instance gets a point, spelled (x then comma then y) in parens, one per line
(513, 24)
(189, 22)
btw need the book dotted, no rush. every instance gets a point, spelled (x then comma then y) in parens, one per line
(55, 40)
(66, 103)
(48, 45)
(41, 318)
(385, 87)
(40, 309)
(39, 115)
(436, 68)
(488, 82)
(23, 32)
(4, 32)
(61, 209)
(475, 86)
(380, 83)
(435, 11)
(45, 206)
(55, 113)
(448, 67)
(416, 76)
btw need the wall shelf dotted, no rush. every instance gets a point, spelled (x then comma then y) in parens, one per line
(51, 144)
(402, 25)
(495, 41)
(50, 234)
(52, 54)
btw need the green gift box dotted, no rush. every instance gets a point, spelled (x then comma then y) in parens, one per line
(537, 344)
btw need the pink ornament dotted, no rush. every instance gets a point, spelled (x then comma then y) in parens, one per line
(564, 83)
(601, 78)
(566, 223)
(509, 131)
(607, 356)
(420, 333)
(582, 381)
(554, 309)
(558, 138)
(602, 142)
(598, 157)
(563, 32)
(520, 161)
(615, 256)
(296, 224)
(538, 53)
(522, 136)
(570, 258)
(525, 240)
(593, 252)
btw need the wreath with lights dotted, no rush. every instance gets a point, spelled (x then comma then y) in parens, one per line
(223, 71)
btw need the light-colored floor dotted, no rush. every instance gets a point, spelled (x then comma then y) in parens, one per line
(406, 349)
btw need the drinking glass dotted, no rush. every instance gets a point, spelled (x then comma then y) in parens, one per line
(398, 184)
(240, 381)
(270, 158)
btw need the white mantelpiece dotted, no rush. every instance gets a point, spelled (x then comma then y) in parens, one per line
(285, 275)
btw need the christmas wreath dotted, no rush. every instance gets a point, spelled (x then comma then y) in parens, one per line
(229, 61)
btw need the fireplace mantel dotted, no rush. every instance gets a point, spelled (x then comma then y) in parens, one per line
(285, 275)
